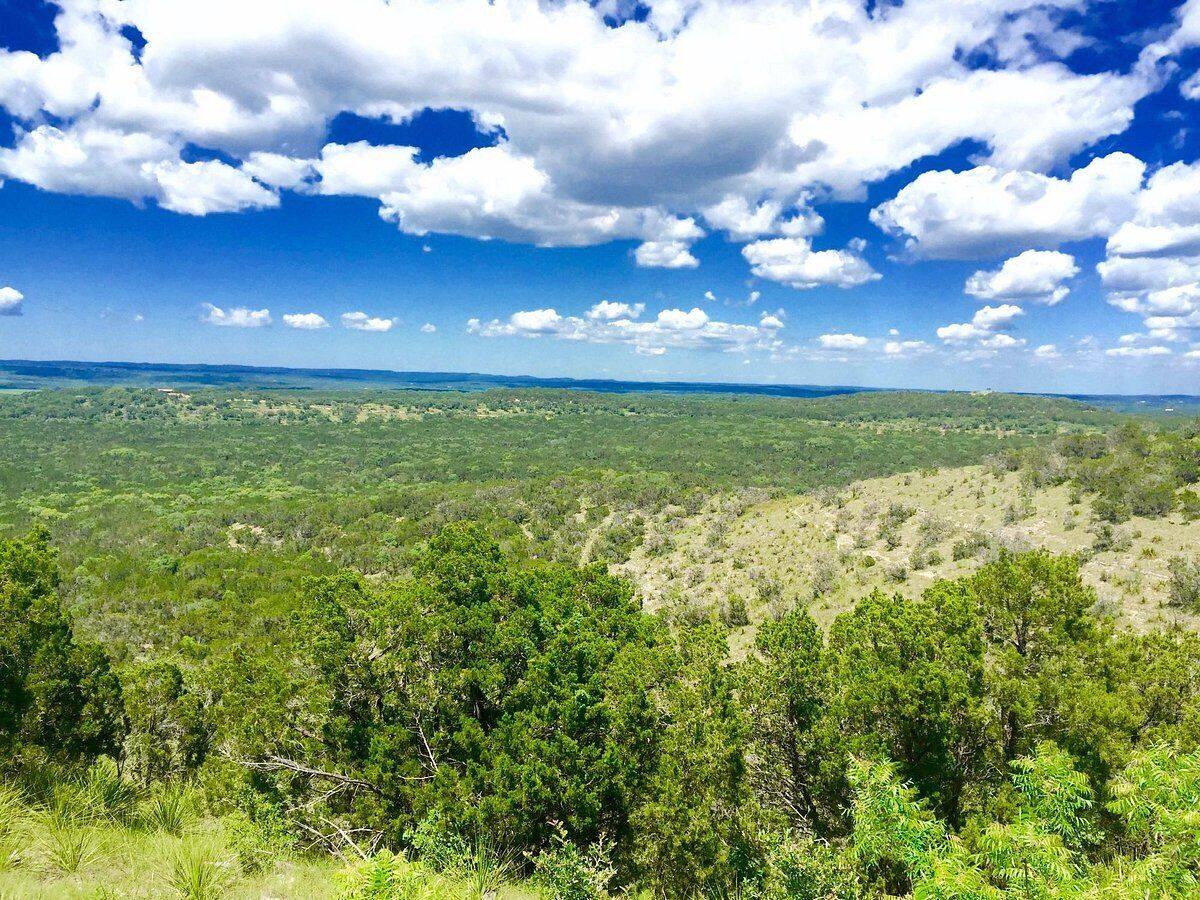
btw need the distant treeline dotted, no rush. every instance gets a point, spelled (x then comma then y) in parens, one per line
(22, 374)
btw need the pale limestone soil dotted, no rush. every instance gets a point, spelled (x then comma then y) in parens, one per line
(825, 549)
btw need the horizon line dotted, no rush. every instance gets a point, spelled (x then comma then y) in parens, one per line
(566, 380)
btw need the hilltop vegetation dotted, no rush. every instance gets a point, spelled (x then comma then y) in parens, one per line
(1131, 471)
(201, 514)
(383, 646)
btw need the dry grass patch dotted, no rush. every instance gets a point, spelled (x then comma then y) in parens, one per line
(830, 547)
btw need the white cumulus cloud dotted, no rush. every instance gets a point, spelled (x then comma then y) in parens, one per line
(679, 328)
(1035, 276)
(665, 255)
(905, 348)
(607, 310)
(237, 317)
(983, 327)
(792, 261)
(11, 301)
(986, 210)
(305, 321)
(845, 341)
(360, 321)
(1167, 219)
(741, 115)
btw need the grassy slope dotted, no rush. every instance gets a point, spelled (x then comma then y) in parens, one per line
(123, 862)
(785, 542)
(106, 860)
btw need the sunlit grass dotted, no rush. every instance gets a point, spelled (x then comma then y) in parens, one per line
(65, 845)
(93, 839)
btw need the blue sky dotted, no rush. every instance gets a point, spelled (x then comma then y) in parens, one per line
(993, 194)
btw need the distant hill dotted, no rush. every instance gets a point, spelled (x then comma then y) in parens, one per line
(20, 374)
(23, 374)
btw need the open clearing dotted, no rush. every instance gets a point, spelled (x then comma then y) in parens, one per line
(899, 533)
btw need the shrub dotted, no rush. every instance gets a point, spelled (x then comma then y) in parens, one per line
(824, 576)
(890, 535)
(970, 546)
(802, 867)
(933, 529)
(438, 846)
(1152, 496)
(1021, 508)
(899, 513)
(565, 872)
(1112, 509)
(255, 845)
(389, 876)
(736, 614)
(1109, 538)
(923, 558)
(1183, 582)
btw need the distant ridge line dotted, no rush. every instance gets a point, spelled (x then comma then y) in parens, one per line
(94, 372)
(31, 373)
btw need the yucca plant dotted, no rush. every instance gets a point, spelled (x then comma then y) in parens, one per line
(70, 804)
(169, 810)
(13, 816)
(108, 794)
(66, 844)
(200, 868)
(488, 868)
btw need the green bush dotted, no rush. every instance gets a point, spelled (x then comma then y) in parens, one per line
(736, 613)
(389, 876)
(438, 847)
(1183, 582)
(564, 872)
(970, 546)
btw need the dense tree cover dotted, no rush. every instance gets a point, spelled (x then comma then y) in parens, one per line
(993, 738)
(201, 514)
(496, 699)
(58, 695)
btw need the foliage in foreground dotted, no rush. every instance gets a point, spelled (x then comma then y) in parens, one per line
(1046, 847)
(494, 719)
